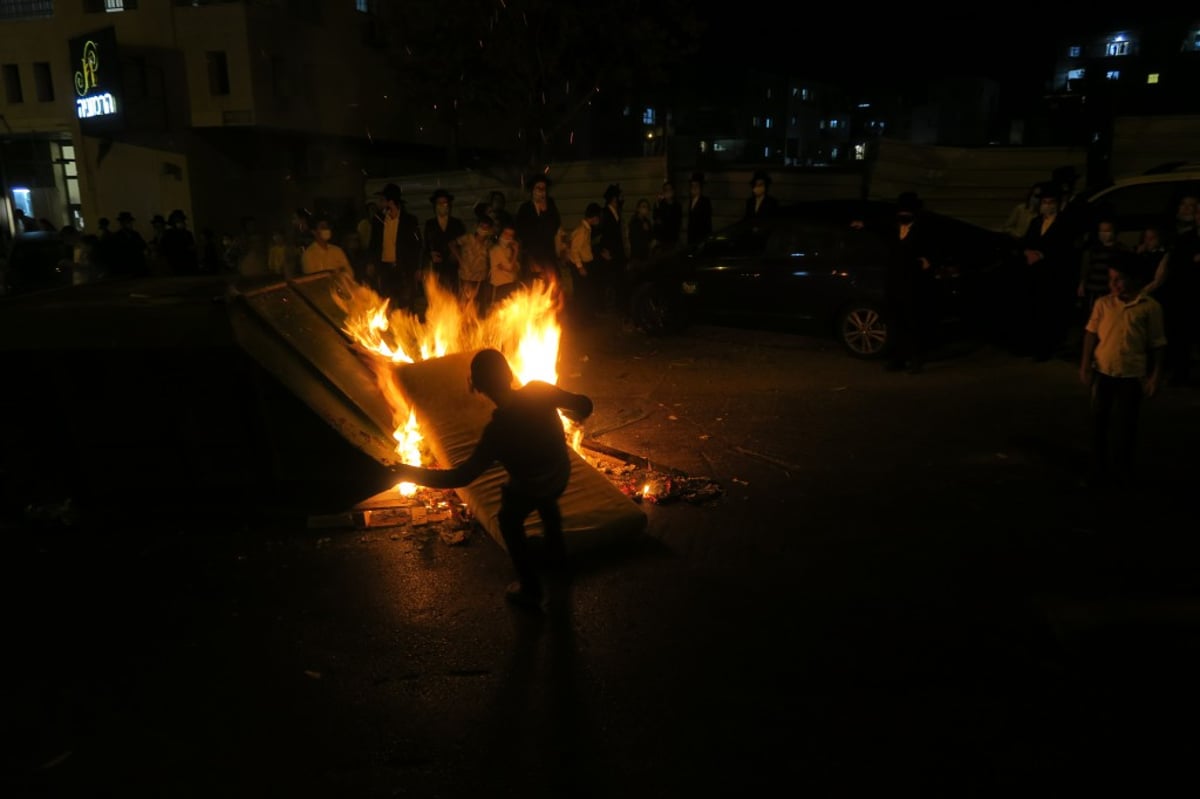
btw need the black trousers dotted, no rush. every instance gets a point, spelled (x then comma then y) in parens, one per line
(1115, 404)
(515, 507)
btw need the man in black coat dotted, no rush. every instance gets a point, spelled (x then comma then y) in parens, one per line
(699, 220)
(908, 286)
(394, 252)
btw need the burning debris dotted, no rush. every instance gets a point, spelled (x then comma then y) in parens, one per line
(429, 510)
(643, 481)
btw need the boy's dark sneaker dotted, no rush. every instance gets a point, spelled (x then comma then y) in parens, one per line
(523, 598)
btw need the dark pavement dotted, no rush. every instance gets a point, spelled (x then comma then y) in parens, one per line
(903, 588)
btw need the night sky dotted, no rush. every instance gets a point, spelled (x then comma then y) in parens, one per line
(903, 42)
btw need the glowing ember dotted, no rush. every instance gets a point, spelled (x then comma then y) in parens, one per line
(524, 327)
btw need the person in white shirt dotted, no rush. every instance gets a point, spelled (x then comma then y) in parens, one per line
(323, 255)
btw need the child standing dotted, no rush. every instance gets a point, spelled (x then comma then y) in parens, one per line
(1123, 346)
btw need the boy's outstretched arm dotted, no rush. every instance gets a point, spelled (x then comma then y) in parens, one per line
(575, 407)
(456, 477)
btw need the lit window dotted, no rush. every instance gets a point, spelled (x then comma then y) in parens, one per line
(833, 123)
(834, 153)
(822, 124)
(116, 6)
(864, 105)
(1117, 47)
(1113, 74)
(1074, 51)
(768, 123)
(703, 146)
(363, 6)
(1076, 74)
(1152, 78)
(860, 152)
(648, 116)
(1196, 40)
(804, 94)
(718, 147)
(768, 94)
(754, 122)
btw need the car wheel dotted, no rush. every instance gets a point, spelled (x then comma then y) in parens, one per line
(862, 330)
(654, 313)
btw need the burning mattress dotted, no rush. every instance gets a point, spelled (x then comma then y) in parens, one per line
(452, 419)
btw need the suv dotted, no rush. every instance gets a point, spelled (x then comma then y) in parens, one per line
(1146, 200)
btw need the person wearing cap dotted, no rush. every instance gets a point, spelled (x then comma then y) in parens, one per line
(1053, 269)
(394, 251)
(760, 204)
(699, 219)
(473, 251)
(442, 233)
(128, 248)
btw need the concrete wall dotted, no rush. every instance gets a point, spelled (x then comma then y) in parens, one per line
(1140, 143)
(980, 185)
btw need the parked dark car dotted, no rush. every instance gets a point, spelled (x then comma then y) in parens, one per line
(35, 261)
(818, 268)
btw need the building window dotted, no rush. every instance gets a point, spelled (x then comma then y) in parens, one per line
(362, 6)
(12, 84)
(108, 6)
(1113, 74)
(218, 72)
(43, 83)
(833, 123)
(1196, 40)
(1076, 74)
(860, 152)
(648, 116)
(768, 123)
(1117, 47)
(24, 9)
(1074, 51)
(1152, 78)
(755, 122)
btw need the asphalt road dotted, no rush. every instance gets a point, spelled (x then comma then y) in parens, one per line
(902, 587)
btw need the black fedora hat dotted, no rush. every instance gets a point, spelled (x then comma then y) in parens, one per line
(390, 192)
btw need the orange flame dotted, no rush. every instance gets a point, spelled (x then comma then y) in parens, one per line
(524, 327)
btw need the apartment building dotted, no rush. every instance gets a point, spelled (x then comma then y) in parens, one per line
(224, 110)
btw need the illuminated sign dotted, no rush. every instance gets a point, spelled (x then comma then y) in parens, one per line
(95, 66)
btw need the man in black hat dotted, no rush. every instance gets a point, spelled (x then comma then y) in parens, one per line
(128, 249)
(179, 245)
(442, 232)
(760, 204)
(394, 251)
(699, 224)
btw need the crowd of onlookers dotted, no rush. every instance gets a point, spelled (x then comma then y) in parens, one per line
(1077, 246)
